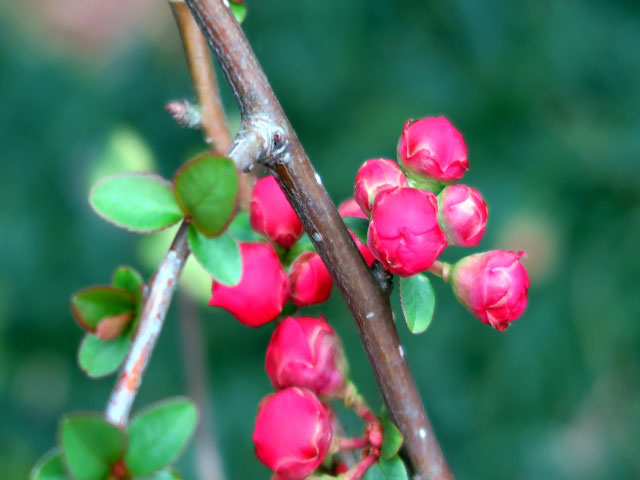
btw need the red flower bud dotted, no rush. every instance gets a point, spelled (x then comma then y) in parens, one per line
(306, 352)
(404, 234)
(310, 280)
(293, 432)
(374, 177)
(462, 213)
(492, 285)
(271, 215)
(262, 291)
(432, 147)
(349, 208)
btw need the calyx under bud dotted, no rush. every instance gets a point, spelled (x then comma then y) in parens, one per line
(492, 285)
(306, 352)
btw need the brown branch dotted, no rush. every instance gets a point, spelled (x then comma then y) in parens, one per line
(203, 78)
(152, 318)
(283, 154)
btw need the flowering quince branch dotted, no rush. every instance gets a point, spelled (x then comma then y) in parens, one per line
(283, 154)
(152, 318)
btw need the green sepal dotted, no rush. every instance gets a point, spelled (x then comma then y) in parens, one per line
(423, 183)
(159, 434)
(206, 189)
(90, 445)
(219, 256)
(303, 245)
(240, 228)
(417, 298)
(138, 202)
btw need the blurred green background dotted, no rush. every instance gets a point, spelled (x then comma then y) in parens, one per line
(547, 95)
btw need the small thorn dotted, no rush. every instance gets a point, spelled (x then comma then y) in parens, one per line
(184, 113)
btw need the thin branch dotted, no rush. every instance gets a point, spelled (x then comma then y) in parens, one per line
(369, 304)
(203, 78)
(152, 318)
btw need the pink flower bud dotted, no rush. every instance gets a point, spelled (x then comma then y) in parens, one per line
(376, 176)
(292, 433)
(462, 213)
(310, 280)
(404, 234)
(306, 352)
(432, 147)
(271, 215)
(492, 285)
(349, 208)
(263, 289)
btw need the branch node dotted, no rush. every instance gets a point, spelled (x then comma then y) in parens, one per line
(383, 278)
(185, 114)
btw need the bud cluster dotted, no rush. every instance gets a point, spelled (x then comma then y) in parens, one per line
(416, 210)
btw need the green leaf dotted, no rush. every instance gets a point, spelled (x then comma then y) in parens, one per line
(49, 467)
(220, 256)
(418, 301)
(127, 278)
(240, 228)
(91, 445)
(166, 474)
(301, 246)
(392, 438)
(99, 358)
(158, 435)
(207, 189)
(358, 226)
(139, 202)
(239, 11)
(391, 469)
(91, 305)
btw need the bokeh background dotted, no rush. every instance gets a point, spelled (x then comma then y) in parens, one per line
(547, 95)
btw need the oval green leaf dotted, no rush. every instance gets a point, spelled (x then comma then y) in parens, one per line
(358, 226)
(391, 439)
(91, 305)
(158, 435)
(138, 202)
(220, 256)
(49, 467)
(127, 278)
(166, 474)
(418, 301)
(99, 358)
(391, 469)
(207, 189)
(91, 445)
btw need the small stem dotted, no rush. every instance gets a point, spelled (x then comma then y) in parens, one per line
(351, 443)
(203, 77)
(152, 318)
(441, 269)
(353, 400)
(358, 471)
